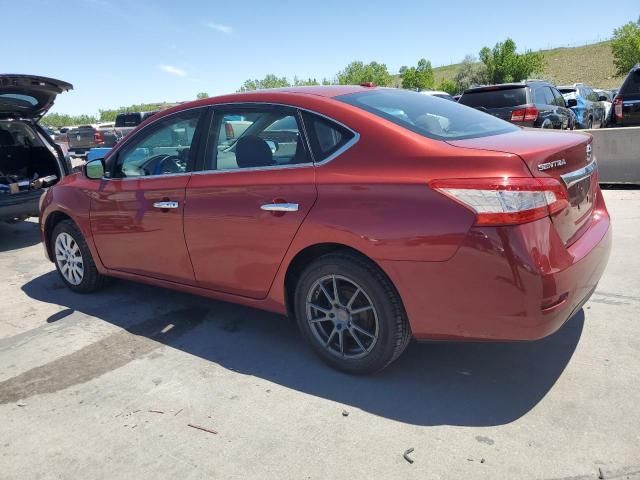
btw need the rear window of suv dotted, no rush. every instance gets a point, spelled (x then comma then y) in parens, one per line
(631, 85)
(128, 120)
(427, 115)
(502, 98)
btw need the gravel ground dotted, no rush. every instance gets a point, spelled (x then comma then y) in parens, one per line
(107, 386)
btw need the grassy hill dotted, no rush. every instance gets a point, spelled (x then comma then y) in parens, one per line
(590, 64)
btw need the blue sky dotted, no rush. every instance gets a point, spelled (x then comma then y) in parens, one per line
(120, 52)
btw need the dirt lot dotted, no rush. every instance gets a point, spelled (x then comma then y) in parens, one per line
(106, 385)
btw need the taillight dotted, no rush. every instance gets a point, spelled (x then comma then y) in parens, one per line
(228, 130)
(527, 114)
(98, 137)
(506, 201)
(617, 107)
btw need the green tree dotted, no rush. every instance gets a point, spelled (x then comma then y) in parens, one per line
(625, 47)
(297, 82)
(269, 81)
(417, 78)
(202, 95)
(471, 72)
(63, 120)
(504, 64)
(357, 72)
(448, 86)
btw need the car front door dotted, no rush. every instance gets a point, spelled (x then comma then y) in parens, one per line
(136, 214)
(255, 186)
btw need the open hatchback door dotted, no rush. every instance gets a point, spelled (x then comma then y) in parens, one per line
(30, 161)
(28, 96)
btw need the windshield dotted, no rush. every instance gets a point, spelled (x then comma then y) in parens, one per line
(427, 115)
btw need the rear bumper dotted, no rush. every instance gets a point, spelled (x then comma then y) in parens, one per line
(19, 205)
(505, 283)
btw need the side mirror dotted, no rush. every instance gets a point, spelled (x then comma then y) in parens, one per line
(572, 102)
(94, 169)
(602, 98)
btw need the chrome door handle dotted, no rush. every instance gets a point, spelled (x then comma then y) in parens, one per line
(279, 207)
(165, 205)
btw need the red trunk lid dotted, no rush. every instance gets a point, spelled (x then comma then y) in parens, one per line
(560, 155)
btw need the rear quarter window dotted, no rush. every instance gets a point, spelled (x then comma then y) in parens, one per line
(511, 97)
(326, 137)
(631, 85)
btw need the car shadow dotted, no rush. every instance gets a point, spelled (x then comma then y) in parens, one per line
(470, 384)
(18, 235)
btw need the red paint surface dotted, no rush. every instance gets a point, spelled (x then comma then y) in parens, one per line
(456, 281)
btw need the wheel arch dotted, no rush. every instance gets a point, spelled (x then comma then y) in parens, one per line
(309, 254)
(52, 220)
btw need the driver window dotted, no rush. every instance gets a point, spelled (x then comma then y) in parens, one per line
(163, 150)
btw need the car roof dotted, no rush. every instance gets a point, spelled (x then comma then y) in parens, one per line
(499, 86)
(294, 95)
(327, 91)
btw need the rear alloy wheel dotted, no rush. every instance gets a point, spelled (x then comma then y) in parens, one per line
(73, 259)
(349, 312)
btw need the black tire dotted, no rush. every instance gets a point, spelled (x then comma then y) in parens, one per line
(589, 124)
(91, 280)
(393, 331)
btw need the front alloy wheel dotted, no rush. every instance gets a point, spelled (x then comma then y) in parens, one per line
(73, 258)
(69, 258)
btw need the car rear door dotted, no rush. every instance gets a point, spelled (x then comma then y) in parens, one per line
(137, 214)
(81, 138)
(249, 198)
(28, 96)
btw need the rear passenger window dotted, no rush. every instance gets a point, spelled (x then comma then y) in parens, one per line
(255, 138)
(543, 96)
(559, 98)
(326, 137)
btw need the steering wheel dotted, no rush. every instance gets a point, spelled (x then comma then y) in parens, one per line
(171, 164)
(161, 164)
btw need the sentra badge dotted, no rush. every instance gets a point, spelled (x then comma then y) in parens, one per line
(555, 164)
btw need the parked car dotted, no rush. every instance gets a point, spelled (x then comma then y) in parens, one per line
(85, 137)
(30, 160)
(368, 227)
(529, 104)
(590, 112)
(438, 93)
(626, 104)
(126, 122)
(606, 98)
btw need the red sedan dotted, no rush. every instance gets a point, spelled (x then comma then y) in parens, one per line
(370, 215)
